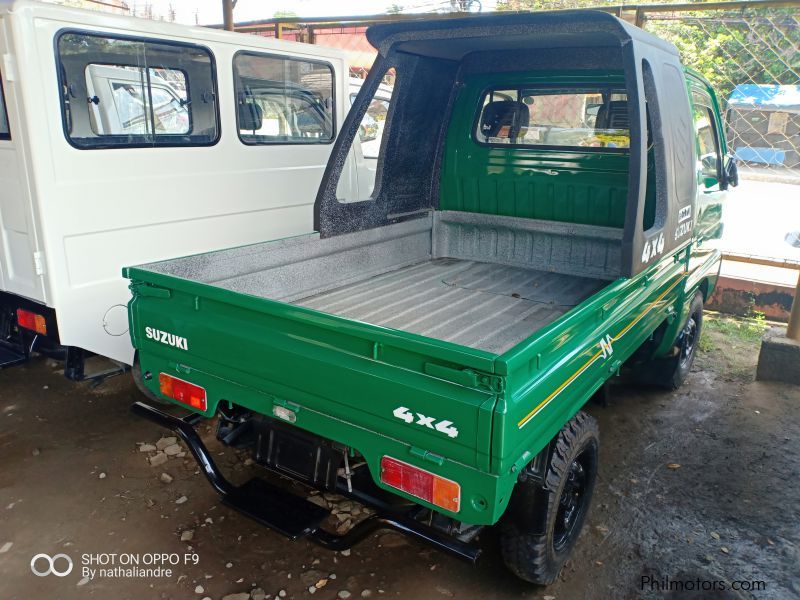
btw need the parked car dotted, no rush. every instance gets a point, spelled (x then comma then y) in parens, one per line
(429, 351)
(128, 140)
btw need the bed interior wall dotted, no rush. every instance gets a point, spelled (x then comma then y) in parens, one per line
(296, 268)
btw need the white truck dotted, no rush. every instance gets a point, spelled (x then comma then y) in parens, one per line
(124, 141)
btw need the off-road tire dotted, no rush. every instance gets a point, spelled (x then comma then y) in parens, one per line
(536, 557)
(671, 372)
(136, 372)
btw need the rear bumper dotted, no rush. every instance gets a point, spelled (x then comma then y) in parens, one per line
(291, 515)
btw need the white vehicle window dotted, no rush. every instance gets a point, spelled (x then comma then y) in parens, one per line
(129, 101)
(170, 113)
(121, 92)
(283, 100)
(5, 134)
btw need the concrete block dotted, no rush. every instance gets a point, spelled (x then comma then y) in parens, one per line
(779, 358)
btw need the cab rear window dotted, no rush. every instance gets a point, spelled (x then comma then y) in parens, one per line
(129, 92)
(564, 117)
(5, 134)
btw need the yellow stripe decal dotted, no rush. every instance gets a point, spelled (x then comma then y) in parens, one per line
(591, 361)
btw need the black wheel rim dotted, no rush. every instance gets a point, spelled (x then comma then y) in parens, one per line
(572, 502)
(688, 341)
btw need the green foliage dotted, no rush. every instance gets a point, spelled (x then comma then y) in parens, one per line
(728, 346)
(735, 328)
(758, 47)
(552, 4)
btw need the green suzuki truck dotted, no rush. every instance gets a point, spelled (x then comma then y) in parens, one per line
(545, 191)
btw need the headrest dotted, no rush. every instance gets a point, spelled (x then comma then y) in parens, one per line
(614, 115)
(504, 114)
(251, 117)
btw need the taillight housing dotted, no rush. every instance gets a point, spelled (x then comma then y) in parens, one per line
(184, 392)
(32, 321)
(420, 483)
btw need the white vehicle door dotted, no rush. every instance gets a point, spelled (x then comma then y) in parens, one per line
(21, 265)
(368, 145)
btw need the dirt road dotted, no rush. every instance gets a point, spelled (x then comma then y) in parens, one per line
(702, 485)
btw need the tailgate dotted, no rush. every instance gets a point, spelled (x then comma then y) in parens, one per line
(333, 373)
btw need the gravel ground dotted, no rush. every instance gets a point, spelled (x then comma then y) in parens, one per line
(699, 484)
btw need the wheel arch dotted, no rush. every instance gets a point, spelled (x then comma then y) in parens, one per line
(705, 287)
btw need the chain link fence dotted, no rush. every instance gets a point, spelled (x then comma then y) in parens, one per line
(751, 55)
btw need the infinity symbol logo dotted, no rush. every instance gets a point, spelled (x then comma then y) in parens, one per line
(51, 562)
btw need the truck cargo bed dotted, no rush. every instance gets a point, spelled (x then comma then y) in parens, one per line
(480, 281)
(476, 304)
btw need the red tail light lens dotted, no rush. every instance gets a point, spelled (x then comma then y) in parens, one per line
(420, 483)
(32, 321)
(183, 391)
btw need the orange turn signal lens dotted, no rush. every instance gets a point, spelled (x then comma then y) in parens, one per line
(32, 321)
(446, 494)
(423, 484)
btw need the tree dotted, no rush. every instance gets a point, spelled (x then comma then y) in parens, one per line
(465, 6)
(532, 5)
(729, 49)
(227, 13)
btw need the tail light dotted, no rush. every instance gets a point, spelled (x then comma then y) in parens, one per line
(420, 483)
(183, 391)
(32, 321)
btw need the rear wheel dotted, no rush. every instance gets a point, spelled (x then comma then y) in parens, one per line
(671, 372)
(535, 544)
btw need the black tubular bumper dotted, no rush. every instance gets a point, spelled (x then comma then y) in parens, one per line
(289, 514)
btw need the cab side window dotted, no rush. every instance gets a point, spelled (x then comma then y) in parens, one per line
(5, 134)
(119, 92)
(283, 100)
(708, 149)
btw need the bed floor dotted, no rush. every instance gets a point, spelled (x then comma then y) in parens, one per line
(479, 305)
